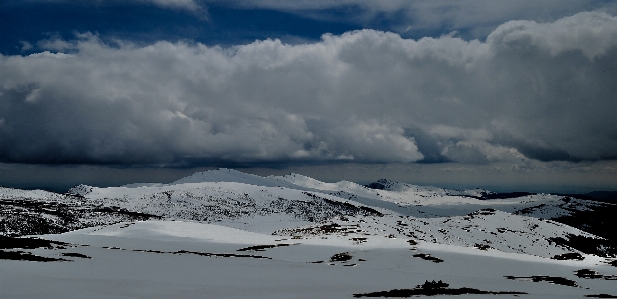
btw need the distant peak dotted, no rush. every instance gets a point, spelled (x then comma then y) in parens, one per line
(383, 184)
(226, 175)
(80, 190)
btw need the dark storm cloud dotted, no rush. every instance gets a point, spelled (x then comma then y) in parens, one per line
(532, 90)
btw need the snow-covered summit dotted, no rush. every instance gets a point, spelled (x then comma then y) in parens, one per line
(225, 175)
(80, 190)
(394, 186)
(311, 183)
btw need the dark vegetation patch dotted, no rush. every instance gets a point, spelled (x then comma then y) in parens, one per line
(482, 246)
(377, 185)
(324, 229)
(530, 210)
(569, 256)
(601, 296)
(221, 254)
(589, 245)
(341, 257)
(348, 209)
(401, 223)
(23, 223)
(601, 196)
(359, 240)
(208, 254)
(432, 288)
(75, 254)
(22, 216)
(484, 212)
(549, 279)
(412, 242)
(593, 274)
(428, 257)
(613, 263)
(505, 195)
(319, 208)
(134, 215)
(262, 247)
(28, 243)
(27, 256)
(597, 218)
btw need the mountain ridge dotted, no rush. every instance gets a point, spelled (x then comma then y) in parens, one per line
(300, 204)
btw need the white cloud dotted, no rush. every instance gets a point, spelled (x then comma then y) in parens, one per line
(591, 33)
(530, 91)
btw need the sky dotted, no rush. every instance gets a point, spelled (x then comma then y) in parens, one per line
(506, 95)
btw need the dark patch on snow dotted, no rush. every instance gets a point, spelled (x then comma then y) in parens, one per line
(377, 186)
(359, 240)
(75, 254)
(341, 257)
(601, 296)
(504, 195)
(482, 246)
(27, 256)
(569, 256)
(593, 274)
(262, 247)
(150, 251)
(319, 208)
(324, 229)
(401, 223)
(549, 279)
(588, 245)
(484, 212)
(432, 288)
(134, 215)
(21, 216)
(529, 210)
(221, 254)
(596, 218)
(412, 242)
(127, 225)
(28, 243)
(428, 257)
(208, 254)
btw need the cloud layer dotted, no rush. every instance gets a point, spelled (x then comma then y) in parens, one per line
(542, 91)
(478, 17)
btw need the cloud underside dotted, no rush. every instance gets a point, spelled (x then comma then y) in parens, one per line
(541, 91)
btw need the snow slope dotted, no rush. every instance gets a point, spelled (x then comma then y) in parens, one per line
(227, 234)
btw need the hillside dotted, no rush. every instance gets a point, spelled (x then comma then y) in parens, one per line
(314, 221)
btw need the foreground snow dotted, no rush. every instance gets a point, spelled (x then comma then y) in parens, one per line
(156, 259)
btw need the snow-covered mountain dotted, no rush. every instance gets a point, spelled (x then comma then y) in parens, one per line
(225, 206)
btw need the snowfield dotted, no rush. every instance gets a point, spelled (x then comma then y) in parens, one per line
(227, 234)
